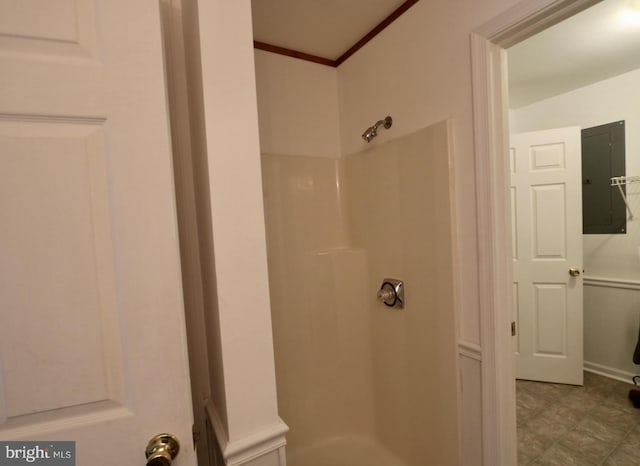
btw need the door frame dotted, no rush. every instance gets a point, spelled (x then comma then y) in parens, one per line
(490, 124)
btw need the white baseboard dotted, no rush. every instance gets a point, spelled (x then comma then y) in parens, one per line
(470, 350)
(254, 446)
(609, 372)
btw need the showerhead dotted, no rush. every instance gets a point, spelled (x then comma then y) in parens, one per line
(372, 131)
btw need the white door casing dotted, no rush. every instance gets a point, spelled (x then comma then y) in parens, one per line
(546, 202)
(489, 83)
(92, 337)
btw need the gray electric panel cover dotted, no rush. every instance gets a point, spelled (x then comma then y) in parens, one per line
(603, 156)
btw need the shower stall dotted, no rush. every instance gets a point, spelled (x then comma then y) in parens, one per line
(360, 382)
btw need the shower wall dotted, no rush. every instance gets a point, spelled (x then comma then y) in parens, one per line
(346, 365)
(318, 298)
(400, 213)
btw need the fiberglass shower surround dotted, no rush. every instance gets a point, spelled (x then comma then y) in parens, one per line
(361, 381)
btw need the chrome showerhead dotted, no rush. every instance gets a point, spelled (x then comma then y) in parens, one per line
(372, 131)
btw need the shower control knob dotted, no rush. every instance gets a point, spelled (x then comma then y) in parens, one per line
(391, 293)
(386, 294)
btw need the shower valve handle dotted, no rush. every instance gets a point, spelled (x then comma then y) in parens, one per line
(386, 294)
(391, 293)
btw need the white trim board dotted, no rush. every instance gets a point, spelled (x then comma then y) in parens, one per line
(251, 447)
(608, 372)
(494, 242)
(612, 283)
(470, 350)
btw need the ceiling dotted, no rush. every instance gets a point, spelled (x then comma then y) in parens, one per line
(325, 28)
(598, 43)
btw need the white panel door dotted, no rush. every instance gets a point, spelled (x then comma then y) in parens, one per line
(92, 339)
(546, 200)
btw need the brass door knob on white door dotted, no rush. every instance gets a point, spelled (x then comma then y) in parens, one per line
(574, 272)
(162, 449)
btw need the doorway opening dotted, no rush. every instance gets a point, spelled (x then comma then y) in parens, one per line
(494, 220)
(557, 100)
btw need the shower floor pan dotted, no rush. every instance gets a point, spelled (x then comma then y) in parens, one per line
(343, 451)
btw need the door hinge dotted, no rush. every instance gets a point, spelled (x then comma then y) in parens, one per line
(513, 329)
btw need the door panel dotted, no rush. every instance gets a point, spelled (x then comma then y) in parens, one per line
(550, 311)
(549, 233)
(92, 338)
(54, 197)
(547, 157)
(49, 29)
(514, 223)
(546, 225)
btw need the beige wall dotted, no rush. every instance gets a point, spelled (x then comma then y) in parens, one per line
(298, 108)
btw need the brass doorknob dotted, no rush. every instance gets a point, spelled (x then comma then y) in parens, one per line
(574, 272)
(162, 449)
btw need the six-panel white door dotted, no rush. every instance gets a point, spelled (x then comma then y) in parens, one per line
(546, 201)
(92, 339)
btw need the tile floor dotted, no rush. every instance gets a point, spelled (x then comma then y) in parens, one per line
(564, 425)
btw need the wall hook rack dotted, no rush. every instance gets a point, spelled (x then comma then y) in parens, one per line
(620, 181)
